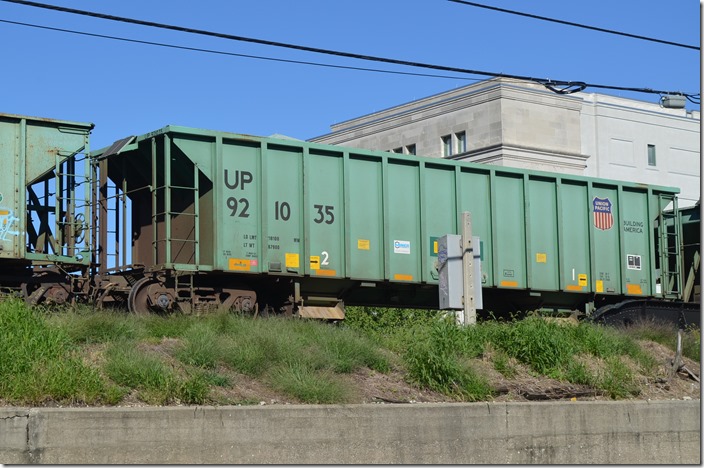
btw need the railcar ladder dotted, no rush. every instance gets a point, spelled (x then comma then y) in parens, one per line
(670, 246)
(168, 214)
(110, 215)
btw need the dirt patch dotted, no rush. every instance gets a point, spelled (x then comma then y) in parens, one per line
(666, 384)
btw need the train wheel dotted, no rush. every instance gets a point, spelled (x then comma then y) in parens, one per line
(148, 296)
(138, 299)
(49, 289)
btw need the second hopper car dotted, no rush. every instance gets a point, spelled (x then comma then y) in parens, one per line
(194, 219)
(45, 209)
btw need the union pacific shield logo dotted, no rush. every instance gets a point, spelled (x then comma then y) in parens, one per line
(603, 218)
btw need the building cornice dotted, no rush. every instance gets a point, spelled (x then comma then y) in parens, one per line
(429, 111)
(526, 153)
(444, 104)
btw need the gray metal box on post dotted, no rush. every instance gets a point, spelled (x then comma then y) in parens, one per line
(450, 283)
(450, 271)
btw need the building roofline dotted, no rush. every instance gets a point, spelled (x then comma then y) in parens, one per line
(594, 99)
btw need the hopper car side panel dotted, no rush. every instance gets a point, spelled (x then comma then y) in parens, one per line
(317, 221)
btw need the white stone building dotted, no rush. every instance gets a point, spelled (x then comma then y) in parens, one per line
(523, 124)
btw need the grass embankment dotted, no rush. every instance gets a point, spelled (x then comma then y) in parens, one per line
(439, 355)
(100, 358)
(87, 357)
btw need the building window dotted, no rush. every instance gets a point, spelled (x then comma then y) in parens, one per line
(446, 146)
(397, 150)
(411, 149)
(461, 142)
(651, 155)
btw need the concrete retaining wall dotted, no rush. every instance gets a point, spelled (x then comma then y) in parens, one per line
(486, 433)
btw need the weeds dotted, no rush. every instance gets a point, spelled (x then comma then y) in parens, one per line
(130, 367)
(433, 361)
(547, 348)
(90, 326)
(692, 344)
(666, 335)
(578, 373)
(503, 365)
(347, 351)
(194, 390)
(299, 380)
(248, 356)
(201, 346)
(93, 357)
(617, 380)
(543, 346)
(38, 362)
(158, 326)
(153, 380)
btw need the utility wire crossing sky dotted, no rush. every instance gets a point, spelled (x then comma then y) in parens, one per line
(558, 86)
(295, 68)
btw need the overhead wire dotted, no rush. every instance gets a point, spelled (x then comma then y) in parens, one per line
(558, 86)
(570, 23)
(233, 54)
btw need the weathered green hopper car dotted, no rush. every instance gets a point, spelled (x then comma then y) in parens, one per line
(691, 247)
(300, 224)
(45, 205)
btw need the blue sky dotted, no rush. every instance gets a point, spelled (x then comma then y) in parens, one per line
(131, 89)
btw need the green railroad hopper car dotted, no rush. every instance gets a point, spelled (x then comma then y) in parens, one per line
(303, 226)
(44, 205)
(689, 222)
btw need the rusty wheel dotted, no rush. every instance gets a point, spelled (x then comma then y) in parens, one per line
(49, 289)
(149, 296)
(138, 299)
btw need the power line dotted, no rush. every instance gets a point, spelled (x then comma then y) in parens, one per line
(274, 59)
(569, 23)
(233, 54)
(254, 40)
(558, 86)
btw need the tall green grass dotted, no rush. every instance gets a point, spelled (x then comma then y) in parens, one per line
(39, 363)
(298, 357)
(437, 354)
(300, 380)
(85, 326)
(435, 360)
(95, 357)
(154, 381)
(201, 347)
(293, 356)
(39, 356)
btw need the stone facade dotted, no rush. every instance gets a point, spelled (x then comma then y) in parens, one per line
(522, 124)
